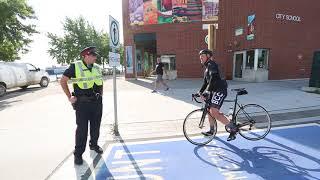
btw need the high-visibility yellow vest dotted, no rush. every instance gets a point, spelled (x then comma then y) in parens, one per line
(85, 78)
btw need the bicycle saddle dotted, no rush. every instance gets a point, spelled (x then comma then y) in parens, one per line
(240, 91)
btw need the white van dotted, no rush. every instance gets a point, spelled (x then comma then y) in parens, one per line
(21, 75)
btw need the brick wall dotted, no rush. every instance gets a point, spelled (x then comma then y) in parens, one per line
(291, 44)
(182, 39)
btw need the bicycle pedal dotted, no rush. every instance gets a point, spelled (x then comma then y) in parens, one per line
(231, 138)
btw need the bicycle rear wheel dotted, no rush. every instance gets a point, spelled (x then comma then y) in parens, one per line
(195, 123)
(253, 121)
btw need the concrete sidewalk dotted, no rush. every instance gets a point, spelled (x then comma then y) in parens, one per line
(144, 115)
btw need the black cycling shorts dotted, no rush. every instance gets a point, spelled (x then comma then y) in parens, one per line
(217, 98)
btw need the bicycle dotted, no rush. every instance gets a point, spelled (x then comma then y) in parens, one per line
(253, 121)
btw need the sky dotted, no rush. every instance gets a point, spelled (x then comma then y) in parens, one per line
(52, 13)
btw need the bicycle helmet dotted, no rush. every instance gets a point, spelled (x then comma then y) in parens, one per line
(206, 51)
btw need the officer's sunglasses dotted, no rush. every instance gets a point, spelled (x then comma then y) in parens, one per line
(93, 54)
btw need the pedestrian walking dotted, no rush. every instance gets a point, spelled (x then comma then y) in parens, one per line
(159, 75)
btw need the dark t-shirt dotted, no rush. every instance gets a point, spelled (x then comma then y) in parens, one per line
(159, 69)
(213, 79)
(71, 73)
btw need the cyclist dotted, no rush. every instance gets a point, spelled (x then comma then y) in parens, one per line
(214, 88)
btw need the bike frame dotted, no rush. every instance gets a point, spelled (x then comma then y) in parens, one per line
(236, 104)
(206, 109)
(245, 116)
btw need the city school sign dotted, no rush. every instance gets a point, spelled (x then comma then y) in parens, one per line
(287, 17)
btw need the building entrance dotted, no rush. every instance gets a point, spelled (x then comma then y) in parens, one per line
(251, 65)
(238, 64)
(145, 53)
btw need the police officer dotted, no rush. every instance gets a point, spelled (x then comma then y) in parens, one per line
(86, 100)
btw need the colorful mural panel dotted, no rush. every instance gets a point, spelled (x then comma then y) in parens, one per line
(164, 11)
(150, 12)
(136, 12)
(179, 11)
(194, 10)
(251, 27)
(210, 10)
(144, 12)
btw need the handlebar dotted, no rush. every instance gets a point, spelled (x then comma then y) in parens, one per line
(196, 96)
(240, 91)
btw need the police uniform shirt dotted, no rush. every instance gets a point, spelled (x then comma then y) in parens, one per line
(71, 73)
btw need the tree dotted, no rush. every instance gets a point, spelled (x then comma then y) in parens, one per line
(78, 34)
(14, 29)
(121, 51)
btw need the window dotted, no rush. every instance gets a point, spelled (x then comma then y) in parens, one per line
(263, 59)
(169, 62)
(30, 67)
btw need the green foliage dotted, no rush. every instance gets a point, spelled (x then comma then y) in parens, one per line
(14, 29)
(121, 52)
(78, 34)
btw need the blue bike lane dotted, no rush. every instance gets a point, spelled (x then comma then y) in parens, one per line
(287, 153)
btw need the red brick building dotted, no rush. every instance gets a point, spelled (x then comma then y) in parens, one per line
(256, 40)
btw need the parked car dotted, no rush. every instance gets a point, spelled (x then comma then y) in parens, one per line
(109, 71)
(21, 75)
(55, 73)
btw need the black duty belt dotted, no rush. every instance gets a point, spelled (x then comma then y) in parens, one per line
(92, 98)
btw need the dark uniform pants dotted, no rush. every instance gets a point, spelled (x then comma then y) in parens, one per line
(87, 111)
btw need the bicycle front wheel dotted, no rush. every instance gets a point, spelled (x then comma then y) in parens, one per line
(253, 121)
(195, 124)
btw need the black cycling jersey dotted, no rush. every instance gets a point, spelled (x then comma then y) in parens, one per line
(213, 79)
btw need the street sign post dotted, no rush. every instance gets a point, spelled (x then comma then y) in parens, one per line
(114, 33)
(114, 60)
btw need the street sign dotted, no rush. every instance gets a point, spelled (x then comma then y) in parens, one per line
(114, 33)
(114, 59)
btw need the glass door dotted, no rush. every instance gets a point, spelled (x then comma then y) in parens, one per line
(238, 64)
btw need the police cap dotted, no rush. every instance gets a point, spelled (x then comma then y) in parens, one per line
(89, 50)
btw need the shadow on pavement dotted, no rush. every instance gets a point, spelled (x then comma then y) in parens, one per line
(80, 171)
(101, 168)
(104, 172)
(182, 89)
(141, 82)
(173, 84)
(6, 104)
(6, 101)
(19, 92)
(131, 158)
(179, 89)
(263, 161)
